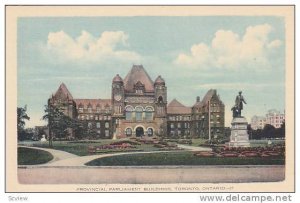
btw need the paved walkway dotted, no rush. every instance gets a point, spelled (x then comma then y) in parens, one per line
(68, 168)
(150, 174)
(82, 160)
(62, 158)
(194, 148)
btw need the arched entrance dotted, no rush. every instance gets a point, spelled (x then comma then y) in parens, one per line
(139, 132)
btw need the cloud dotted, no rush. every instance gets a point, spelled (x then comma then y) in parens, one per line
(109, 46)
(230, 51)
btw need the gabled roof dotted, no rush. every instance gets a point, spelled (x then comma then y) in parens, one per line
(210, 93)
(63, 92)
(93, 102)
(175, 107)
(208, 96)
(138, 73)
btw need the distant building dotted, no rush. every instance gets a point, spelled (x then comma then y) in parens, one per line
(179, 119)
(258, 122)
(208, 113)
(138, 108)
(273, 117)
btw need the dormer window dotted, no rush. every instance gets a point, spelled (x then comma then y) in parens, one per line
(139, 88)
(80, 108)
(90, 108)
(98, 108)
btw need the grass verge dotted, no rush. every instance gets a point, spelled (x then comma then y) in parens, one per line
(81, 148)
(180, 158)
(28, 156)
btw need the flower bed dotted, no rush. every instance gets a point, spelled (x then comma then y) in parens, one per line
(264, 152)
(115, 146)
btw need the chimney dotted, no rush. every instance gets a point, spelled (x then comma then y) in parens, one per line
(197, 99)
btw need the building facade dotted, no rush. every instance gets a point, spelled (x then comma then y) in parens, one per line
(258, 122)
(138, 108)
(179, 119)
(273, 117)
(208, 113)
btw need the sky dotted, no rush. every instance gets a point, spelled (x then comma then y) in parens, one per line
(193, 55)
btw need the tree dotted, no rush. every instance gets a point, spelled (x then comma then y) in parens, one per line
(250, 131)
(256, 134)
(58, 122)
(268, 131)
(282, 130)
(21, 117)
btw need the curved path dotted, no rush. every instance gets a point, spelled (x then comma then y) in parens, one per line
(62, 158)
(81, 161)
(194, 148)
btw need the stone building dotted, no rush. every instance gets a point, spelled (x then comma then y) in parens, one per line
(273, 117)
(138, 108)
(208, 114)
(138, 104)
(258, 122)
(179, 119)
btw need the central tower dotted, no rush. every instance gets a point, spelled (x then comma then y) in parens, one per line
(139, 104)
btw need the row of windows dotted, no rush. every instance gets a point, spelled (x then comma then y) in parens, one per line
(212, 116)
(98, 125)
(179, 132)
(179, 118)
(128, 131)
(98, 109)
(139, 113)
(106, 133)
(179, 125)
(139, 108)
(139, 116)
(92, 117)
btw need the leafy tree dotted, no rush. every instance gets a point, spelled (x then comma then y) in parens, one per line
(268, 131)
(84, 129)
(21, 117)
(282, 129)
(256, 134)
(58, 122)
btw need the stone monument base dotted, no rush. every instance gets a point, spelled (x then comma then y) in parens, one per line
(239, 136)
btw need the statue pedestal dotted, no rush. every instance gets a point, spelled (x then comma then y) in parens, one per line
(239, 136)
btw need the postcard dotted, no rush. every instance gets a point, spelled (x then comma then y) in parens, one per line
(150, 99)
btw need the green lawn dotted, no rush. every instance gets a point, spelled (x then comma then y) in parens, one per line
(80, 148)
(179, 158)
(77, 148)
(28, 156)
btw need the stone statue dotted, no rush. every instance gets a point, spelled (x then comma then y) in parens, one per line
(234, 112)
(239, 100)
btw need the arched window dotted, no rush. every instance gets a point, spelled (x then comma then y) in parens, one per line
(149, 113)
(150, 132)
(129, 110)
(138, 113)
(128, 132)
(160, 99)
